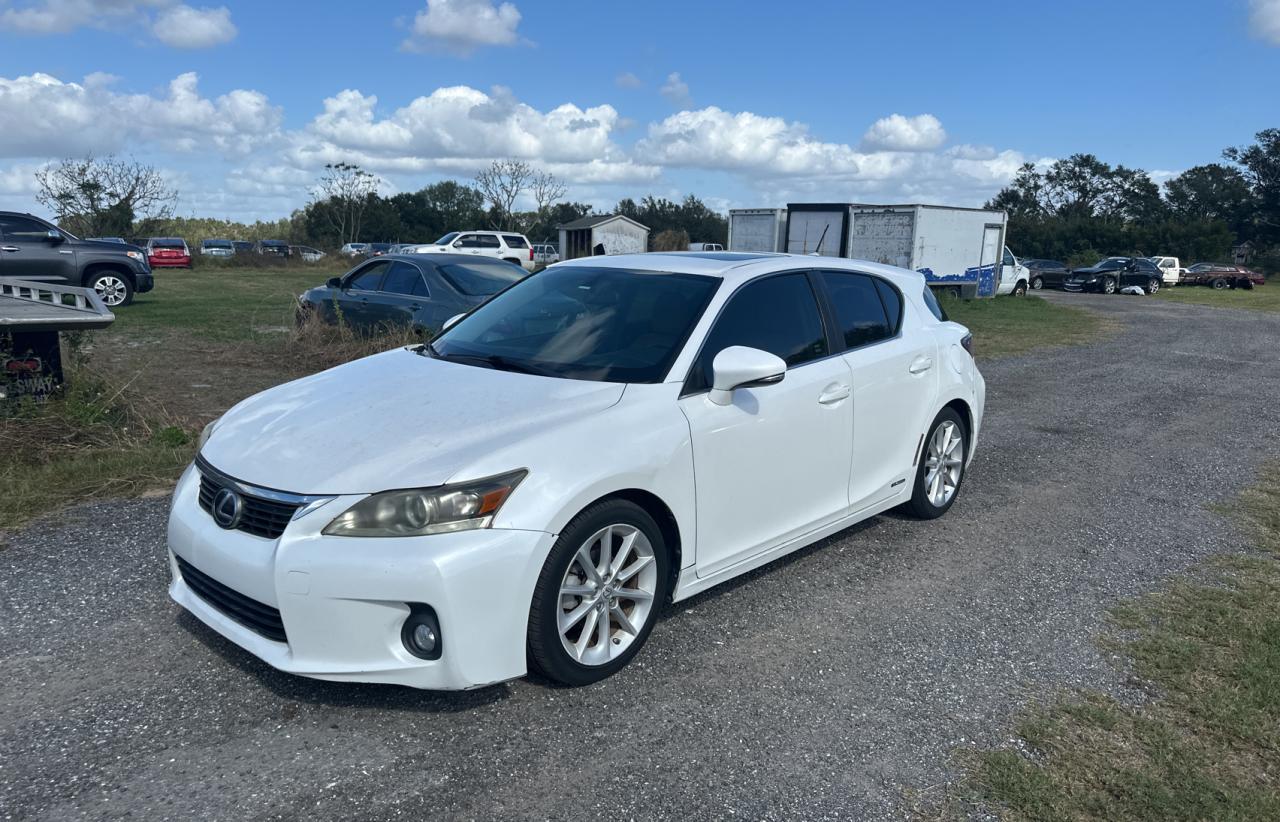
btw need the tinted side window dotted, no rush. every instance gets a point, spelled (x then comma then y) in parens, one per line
(469, 241)
(402, 278)
(489, 241)
(515, 241)
(892, 302)
(23, 229)
(859, 312)
(778, 315)
(931, 301)
(367, 278)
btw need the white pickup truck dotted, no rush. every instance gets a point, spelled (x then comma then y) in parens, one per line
(1171, 269)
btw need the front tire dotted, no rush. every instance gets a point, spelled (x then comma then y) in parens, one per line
(1153, 286)
(112, 287)
(1108, 286)
(1020, 290)
(1037, 283)
(941, 469)
(598, 595)
(1220, 284)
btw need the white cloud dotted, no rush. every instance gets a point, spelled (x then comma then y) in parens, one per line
(185, 27)
(461, 26)
(627, 80)
(461, 129)
(46, 117)
(897, 133)
(676, 91)
(176, 25)
(1264, 20)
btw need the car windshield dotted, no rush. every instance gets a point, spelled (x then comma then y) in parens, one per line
(583, 323)
(446, 239)
(477, 278)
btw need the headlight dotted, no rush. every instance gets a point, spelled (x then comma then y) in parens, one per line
(416, 512)
(136, 255)
(206, 433)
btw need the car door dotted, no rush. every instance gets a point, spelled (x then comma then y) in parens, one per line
(490, 245)
(399, 297)
(468, 244)
(895, 381)
(774, 463)
(27, 251)
(353, 298)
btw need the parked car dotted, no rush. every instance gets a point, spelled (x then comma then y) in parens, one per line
(1222, 276)
(168, 252)
(244, 247)
(119, 240)
(706, 247)
(526, 489)
(502, 245)
(1171, 269)
(1115, 273)
(306, 253)
(419, 290)
(378, 249)
(546, 253)
(277, 248)
(1046, 273)
(217, 248)
(33, 249)
(354, 249)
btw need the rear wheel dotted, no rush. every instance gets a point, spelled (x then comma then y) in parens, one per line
(113, 288)
(599, 593)
(941, 468)
(1220, 284)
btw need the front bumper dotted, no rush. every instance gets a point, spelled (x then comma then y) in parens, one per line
(1070, 286)
(143, 281)
(343, 601)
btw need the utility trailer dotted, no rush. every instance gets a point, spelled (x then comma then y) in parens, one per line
(960, 251)
(757, 229)
(31, 315)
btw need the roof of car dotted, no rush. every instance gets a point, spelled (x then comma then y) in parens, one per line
(738, 266)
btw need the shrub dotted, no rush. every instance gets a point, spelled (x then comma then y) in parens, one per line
(671, 240)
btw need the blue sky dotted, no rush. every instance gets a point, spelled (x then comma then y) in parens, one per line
(742, 103)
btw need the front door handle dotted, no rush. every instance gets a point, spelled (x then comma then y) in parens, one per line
(921, 364)
(9, 248)
(834, 393)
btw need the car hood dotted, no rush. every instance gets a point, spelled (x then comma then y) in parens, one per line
(393, 420)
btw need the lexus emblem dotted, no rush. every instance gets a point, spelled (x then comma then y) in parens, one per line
(227, 508)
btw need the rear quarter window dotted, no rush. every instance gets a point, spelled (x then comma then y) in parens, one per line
(514, 241)
(931, 302)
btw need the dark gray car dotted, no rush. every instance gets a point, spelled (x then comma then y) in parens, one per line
(417, 290)
(33, 249)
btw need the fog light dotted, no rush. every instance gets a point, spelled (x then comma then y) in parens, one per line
(421, 632)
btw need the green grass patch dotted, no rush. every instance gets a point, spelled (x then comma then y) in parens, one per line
(1015, 325)
(1258, 298)
(222, 304)
(1207, 747)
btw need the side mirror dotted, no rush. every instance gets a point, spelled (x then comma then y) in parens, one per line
(451, 322)
(740, 367)
(334, 282)
(457, 243)
(54, 236)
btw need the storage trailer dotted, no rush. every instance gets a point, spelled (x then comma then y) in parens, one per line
(757, 229)
(960, 251)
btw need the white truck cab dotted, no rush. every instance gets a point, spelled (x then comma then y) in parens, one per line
(1014, 276)
(1171, 269)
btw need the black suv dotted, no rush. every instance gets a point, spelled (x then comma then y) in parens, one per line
(32, 249)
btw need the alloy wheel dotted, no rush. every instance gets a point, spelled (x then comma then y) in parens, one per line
(1153, 287)
(1037, 284)
(1109, 286)
(943, 463)
(607, 594)
(111, 290)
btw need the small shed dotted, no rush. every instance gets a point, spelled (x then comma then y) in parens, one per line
(618, 235)
(1242, 254)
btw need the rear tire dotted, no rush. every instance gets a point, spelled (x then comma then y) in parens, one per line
(567, 587)
(941, 468)
(1220, 284)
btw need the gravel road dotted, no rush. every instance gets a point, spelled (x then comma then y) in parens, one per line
(819, 687)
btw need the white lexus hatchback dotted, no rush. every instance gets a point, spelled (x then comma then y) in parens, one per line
(604, 437)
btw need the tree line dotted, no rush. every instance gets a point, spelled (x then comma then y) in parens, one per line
(1081, 208)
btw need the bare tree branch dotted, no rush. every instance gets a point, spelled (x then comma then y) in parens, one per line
(344, 190)
(104, 195)
(501, 183)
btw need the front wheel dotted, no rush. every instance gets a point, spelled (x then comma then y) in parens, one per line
(1037, 283)
(1020, 290)
(598, 595)
(1153, 286)
(1108, 286)
(1221, 284)
(112, 288)
(941, 468)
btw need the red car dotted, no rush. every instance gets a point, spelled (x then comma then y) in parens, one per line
(168, 252)
(1221, 275)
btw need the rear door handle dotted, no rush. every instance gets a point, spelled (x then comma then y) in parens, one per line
(921, 364)
(834, 393)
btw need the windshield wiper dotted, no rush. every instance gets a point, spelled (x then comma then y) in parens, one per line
(494, 361)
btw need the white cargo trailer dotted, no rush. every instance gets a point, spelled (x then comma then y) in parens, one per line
(958, 250)
(757, 229)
